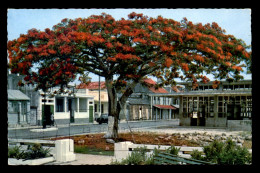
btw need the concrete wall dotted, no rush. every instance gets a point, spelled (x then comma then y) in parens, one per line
(184, 121)
(216, 122)
(135, 112)
(245, 125)
(12, 118)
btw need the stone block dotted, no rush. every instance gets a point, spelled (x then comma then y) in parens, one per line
(64, 150)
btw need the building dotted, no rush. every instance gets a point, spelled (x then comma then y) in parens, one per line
(18, 98)
(100, 96)
(229, 103)
(150, 103)
(206, 106)
(63, 108)
(18, 108)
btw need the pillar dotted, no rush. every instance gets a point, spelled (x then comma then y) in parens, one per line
(19, 111)
(151, 107)
(64, 150)
(28, 111)
(215, 111)
(65, 104)
(181, 108)
(78, 104)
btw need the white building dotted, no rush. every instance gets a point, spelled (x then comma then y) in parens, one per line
(65, 108)
(100, 95)
(29, 105)
(18, 108)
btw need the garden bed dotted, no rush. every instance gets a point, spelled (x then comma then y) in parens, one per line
(96, 144)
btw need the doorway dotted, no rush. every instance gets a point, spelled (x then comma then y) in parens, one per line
(234, 112)
(202, 113)
(47, 113)
(70, 109)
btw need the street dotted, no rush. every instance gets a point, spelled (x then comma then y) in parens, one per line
(76, 129)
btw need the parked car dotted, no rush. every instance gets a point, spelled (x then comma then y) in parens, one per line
(102, 119)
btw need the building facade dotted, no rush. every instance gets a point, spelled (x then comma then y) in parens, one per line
(59, 109)
(149, 103)
(206, 106)
(65, 108)
(100, 96)
(18, 108)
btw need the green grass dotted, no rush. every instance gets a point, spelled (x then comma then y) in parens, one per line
(88, 150)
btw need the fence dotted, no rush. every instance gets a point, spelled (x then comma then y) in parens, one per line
(164, 158)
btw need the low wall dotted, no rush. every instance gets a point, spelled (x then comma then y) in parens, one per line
(62, 150)
(243, 125)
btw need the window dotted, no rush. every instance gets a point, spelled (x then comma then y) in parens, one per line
(82, 105)
(59, 104)
(13, 107)
(222, 106)
(24, 107)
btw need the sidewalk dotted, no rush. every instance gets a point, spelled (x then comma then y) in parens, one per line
(87, 159)
(67, 125)
(40, 127)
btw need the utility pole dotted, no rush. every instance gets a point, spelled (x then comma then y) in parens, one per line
(44, 112)
(99, 88)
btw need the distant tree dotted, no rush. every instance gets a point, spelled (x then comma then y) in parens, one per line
(124, 52)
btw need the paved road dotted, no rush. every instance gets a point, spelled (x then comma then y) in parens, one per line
(68, 130)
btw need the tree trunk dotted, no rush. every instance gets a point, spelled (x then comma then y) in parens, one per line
(115, 105)
(113, 110)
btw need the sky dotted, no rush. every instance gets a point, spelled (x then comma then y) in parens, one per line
(236, 22)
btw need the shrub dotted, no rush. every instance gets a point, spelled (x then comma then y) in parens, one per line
(34, 152)
(227, 153)
(15, 152)
(196, 154)
(173, 150)
(137, 157)
(37, 151)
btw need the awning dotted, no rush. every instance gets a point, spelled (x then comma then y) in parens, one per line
(164, 106)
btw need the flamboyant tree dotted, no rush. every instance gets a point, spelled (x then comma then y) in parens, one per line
(124, 52)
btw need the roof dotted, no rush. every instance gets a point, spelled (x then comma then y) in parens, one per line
(246, 81)
(206, 93)
(138, 101)
(92, 85)
(16, 95)
(165, 106)
(153, 89)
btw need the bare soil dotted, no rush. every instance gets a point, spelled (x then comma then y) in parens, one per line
(97, 141)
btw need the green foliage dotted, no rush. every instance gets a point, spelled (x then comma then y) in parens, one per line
(227, 153)
(15, 152)
(137, 157)
(37, 151)
(197, 155)
(34, 152)
(173, 150)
